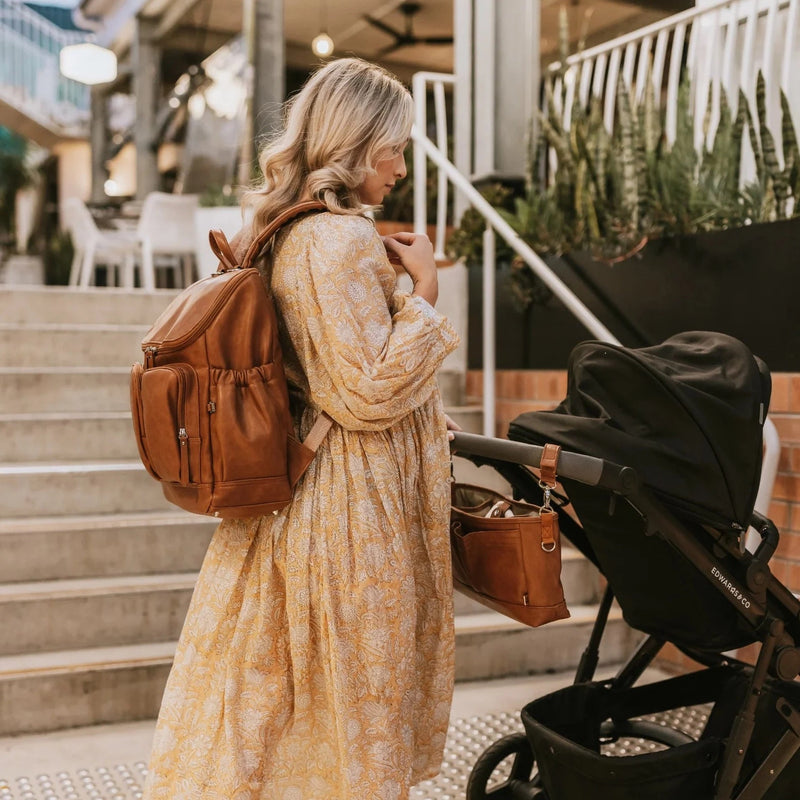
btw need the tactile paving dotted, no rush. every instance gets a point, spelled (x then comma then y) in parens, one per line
(466, 740)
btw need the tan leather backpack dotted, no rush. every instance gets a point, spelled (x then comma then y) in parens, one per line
(210, 402)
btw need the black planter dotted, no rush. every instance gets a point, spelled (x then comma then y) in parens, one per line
(744, 282)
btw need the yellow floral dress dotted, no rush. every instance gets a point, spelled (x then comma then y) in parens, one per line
(316, 661)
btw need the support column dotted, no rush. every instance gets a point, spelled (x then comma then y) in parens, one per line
(98, 133)
(504, 75)
(146, 62)
(266, 55)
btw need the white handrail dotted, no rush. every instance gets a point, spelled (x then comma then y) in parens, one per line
(513, 240)
(424, 148)
(420, 82)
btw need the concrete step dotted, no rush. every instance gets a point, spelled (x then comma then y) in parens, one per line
(490, 645)
(80, 306)
(452, 386)
(33, 390)
(470, 418)
(53, 548)
(78, 488)
(63, 436)
(70, 345)
(93, 612)
(53, 691)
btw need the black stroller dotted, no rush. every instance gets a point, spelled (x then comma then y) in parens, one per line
(661, 461)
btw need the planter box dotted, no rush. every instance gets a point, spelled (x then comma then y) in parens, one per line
(743, 282)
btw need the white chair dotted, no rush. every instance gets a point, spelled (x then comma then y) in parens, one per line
(167, 228)
(115, 249)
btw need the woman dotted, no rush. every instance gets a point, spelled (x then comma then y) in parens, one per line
(316, 661)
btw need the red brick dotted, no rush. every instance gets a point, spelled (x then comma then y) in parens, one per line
(549, 385)
(789, 546)
(795, 460)
(529, 388)
(794, 393)
(780, 569)
(785, 458)
(749, 654)
(474, 387)
(787, 572)
(779, 513)
(793, 517)
(788, 426)
(787, 487)
(502, 383)
(779, 401)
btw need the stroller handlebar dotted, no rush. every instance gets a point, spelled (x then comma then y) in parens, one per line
(575, 466)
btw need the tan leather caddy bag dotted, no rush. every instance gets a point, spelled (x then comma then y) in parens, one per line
(210, 402)
(507, 553)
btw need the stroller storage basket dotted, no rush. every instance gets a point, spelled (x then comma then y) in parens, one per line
(567, 728)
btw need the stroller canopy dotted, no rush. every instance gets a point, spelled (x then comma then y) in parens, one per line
(687, 415)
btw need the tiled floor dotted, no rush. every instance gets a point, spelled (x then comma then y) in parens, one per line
(108, 762)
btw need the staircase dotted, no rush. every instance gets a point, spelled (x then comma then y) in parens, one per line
(96, 569)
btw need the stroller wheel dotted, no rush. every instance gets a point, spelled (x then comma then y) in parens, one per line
(518, 785)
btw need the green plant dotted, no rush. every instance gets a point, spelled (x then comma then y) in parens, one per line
(15, 174)
(219, 196)
(611, 193)
(58, 255)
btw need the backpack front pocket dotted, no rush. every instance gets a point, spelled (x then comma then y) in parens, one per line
(170, 422)
(250, 424)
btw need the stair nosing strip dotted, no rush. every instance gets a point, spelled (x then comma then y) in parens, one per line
(73, 523)
(69, 467)
(34, 591)
(90, 658)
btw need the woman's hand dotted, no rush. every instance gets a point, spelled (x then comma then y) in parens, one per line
(451, 426)
(413, 252)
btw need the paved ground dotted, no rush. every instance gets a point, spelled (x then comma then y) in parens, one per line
(108, 762)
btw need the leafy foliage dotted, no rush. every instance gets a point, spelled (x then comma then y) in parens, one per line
(15, 174)
(610, 193)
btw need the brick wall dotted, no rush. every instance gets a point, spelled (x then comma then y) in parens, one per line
(528, 390)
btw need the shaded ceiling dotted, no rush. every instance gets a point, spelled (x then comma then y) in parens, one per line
(198, 27)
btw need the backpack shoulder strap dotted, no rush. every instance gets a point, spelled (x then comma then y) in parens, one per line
(225, 253)
(286, 216)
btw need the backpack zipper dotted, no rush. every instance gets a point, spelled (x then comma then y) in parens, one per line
(183, 436)
(177, 344)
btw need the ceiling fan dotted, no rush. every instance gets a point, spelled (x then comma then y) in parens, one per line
(405, 37)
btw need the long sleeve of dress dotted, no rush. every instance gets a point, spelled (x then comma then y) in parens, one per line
(370, 353)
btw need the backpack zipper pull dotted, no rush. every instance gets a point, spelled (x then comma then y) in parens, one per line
(183, 438)
(149, 356)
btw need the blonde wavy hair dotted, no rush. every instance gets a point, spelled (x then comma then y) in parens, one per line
(348, 116)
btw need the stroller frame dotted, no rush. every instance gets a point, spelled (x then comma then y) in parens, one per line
(779, 655)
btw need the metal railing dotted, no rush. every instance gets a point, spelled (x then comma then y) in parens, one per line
(721, 45)
(30, 79)
(424, 149)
